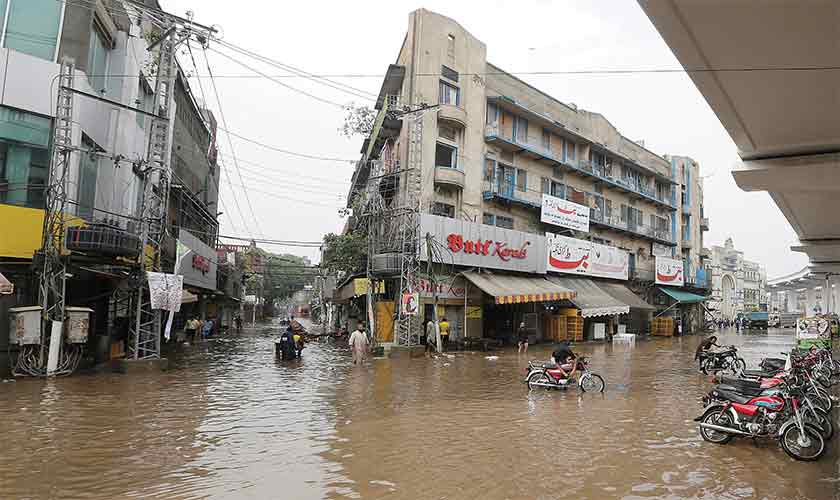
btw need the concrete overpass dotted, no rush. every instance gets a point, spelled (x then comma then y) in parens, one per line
(805, 291)
(771, 72)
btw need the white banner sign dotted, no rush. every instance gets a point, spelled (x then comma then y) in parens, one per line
(563, 213)
(165, 291)
(669, 271)
(660, 250)
(570, 255)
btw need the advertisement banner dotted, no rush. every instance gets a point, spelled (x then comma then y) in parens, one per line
(669, 271)
(574, 256)
(813, 331)
(563, 213)
(196, 261)
(410, 304)
(660, 250)
(474, 312)
(447, 288)
(465, 243)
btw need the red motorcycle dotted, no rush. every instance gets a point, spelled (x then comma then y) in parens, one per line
(547, 376)
(729, 414)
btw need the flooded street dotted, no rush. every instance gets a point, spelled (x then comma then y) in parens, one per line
(228, 421)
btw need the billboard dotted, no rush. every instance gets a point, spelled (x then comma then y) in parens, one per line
(196, 261)
(574, 256)
(564, 213)
(466, 243)
(669, 271)
(660, 250)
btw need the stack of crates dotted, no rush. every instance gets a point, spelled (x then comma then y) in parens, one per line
(554, 328)
(662, 326)
(574, 327)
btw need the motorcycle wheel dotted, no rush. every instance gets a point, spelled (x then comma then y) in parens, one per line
(538, 378)
(705, 365)
(821, 420)
(714, 417)
(822, 379)
(821, 400)
(592, 382)
(806, 447)
(740, 364)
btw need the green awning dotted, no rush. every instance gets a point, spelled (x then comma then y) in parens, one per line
(684, 297)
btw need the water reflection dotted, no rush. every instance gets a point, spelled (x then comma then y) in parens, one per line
(229, 421)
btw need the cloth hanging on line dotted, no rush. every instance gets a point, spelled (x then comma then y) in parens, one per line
(166, 291)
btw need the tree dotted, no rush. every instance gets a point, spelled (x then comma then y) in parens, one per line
(358, 120)
(345, 252)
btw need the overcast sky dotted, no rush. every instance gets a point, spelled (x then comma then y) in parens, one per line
(363, 37)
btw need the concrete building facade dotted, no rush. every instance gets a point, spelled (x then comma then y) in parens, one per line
(738, 285)
(496, 145)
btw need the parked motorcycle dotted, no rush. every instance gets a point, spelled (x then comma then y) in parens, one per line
(722, 361)
(777, 416)
(547, 376)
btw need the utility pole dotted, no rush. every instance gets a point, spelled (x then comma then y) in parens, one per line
(430, 271)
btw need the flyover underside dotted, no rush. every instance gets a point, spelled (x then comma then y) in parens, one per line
(771, 73)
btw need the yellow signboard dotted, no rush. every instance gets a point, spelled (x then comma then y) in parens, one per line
(473, 312)
(20, 230)
(361, 286)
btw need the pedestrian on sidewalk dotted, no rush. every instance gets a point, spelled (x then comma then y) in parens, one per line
(195, 328)
(207, 328)
(359, 344)
(522, 335)
(444, 333)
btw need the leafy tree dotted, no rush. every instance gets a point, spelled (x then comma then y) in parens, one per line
(344, 252)
(358, 120)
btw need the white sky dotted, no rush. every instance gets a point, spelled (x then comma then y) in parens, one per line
(363, 37)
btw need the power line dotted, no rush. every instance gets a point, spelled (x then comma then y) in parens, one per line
(284, 173)
(299, 72)
(230, 142)
(293, 89)
(286, 151)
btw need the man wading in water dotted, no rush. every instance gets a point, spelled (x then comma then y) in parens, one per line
(359, 344)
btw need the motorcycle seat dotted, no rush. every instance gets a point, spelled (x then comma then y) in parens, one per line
(760, 373)
(744, 386)
(743, 391)
(730, 395)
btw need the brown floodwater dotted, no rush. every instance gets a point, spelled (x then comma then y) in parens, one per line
(228, 421)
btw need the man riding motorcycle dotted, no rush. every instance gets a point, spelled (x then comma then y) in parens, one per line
(563, 355)
(705, 347)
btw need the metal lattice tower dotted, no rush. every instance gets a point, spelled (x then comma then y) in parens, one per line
(409, 227)
(145, 324)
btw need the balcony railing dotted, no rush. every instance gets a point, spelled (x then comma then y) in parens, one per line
(493, 132)
(104, 240)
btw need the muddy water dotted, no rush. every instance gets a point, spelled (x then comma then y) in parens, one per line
(228, 421)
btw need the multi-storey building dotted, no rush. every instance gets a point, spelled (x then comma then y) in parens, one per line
(496, 155)
(738, 285)
(107, 40)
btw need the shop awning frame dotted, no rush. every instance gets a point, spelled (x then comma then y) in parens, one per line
(683, 297)
(591, 299)
(624, 294)
(510, 289)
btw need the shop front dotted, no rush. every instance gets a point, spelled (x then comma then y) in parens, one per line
(196, 262)
(499, 278)
(597, 274)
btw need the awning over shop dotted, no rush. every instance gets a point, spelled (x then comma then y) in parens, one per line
(591, 299)
(683, 297)
(6, 286)
(624, 294)
(507, 289)
(355, 288)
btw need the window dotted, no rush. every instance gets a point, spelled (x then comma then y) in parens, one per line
(570, 153)
(449, 94)
(520, 130)
(493, 115)
(488, 219)
(504, 222)
(545, 185)
(632, 216)
(489, 169)
(443, 209)
(144, 100)
(97, 64)
(546, 140)
(446, 156)
(87, 180)
(521, 179)
(32, 26)
(448, 73)
(450, 45)
(24, 157)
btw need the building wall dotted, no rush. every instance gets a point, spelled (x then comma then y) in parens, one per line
(749, 278)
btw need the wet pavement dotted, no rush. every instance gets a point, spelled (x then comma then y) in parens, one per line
(228, 421)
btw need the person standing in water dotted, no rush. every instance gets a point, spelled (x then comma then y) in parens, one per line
(359, 344)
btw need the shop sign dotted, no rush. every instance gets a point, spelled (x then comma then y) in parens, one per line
(669, 271)
(410, 304)
(660, 250)
(474, 312)
(446, 287)
(574, 256)
(564, 213)
(362, 285)
(196, 261)
(466, 243)
(813, 331)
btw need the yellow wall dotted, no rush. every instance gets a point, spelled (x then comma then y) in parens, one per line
(20, 231)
